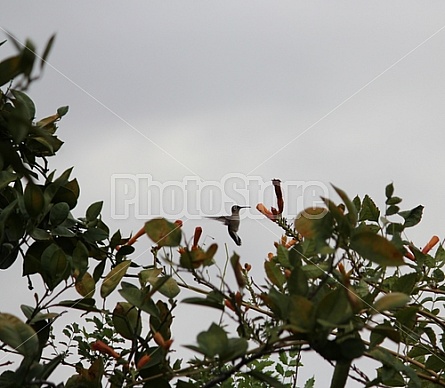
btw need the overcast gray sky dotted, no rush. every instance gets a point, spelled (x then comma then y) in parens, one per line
(348, 92)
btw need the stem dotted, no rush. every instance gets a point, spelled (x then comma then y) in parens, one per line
(341, 373)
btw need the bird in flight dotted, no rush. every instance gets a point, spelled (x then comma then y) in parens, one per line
(232, 222)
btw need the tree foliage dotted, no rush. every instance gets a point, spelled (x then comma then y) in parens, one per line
(344, 282)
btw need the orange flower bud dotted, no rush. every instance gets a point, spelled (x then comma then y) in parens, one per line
(270, 256)
(287, 273)
(103, 348)
(178, 223)
(341, 268)
(291, 243)
(238, 298)
(143, 360)
(434, 240)
(168, 344)
(247, 267)
(229, 305)
(159, 339)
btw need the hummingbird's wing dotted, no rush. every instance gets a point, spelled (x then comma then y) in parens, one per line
(222, 219)
(235, 237)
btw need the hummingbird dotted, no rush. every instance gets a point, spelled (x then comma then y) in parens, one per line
(232, 222)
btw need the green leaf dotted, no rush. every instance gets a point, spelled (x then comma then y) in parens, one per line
(337, 213)
(310, 383)
(390, 301)
(45, 54)
(33, 198)
(139, 298)
(334, 309)
(113, 278)
(59, 213)
(297, 282)
(34, 317)
(269, 380)
(314, 271)
(166, 285)
(314, 223)
(389, 190)
(99, 270)
(301, 313)
(6, 178)
(126, 320)
(376, 248)
(393, 201)
(277, 302)
(405, 283)
(18, 335)
(352, 208)
(213, 341)
(382, 331)
(207, 302)
(9, 69)
(274, 273)
(85, 304)
(54, 266)
(412, 217)
(393, 209)
(236, 347)
(86, 285)
(435, 363)
(80, 259)
(283, 256)
(440, 254)
(163, 322)
(370, 211)
(163, 233)
(392, 362)
(26, 104)
(94, 210)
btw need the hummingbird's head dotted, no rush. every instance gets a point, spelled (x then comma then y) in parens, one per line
(236, 208)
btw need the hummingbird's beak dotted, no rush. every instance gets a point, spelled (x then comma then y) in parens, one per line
(244, 207)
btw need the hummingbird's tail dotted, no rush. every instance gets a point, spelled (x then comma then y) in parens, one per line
(235, 237)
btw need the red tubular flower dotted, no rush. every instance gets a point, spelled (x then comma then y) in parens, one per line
(265, 211)
(196, 236)
(143, 360)
(229, 304)
(103, 348)
(133, 239)
(279, 194)
(159, 339)
(273, 213)
(433, 241)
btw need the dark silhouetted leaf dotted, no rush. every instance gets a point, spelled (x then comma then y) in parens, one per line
(370, 211)
(412, 217)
